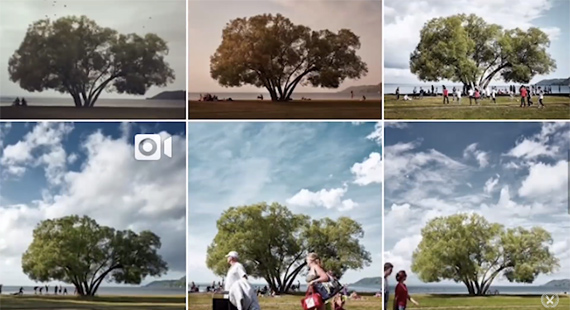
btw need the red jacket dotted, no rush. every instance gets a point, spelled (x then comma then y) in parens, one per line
(523, 92)
(445, 93)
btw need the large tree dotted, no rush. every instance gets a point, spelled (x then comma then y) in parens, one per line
(273, 243)
(468, 249)
(464, 48)
(75, 55)
(79, 251)
(270, 51)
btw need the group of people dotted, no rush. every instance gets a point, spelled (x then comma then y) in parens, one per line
(401, 294)
(475, 94)
(17, 102)
(62, 290)
(210, 97)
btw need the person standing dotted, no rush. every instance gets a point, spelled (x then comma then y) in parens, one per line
(388, 268)
(398, 93)
(476, 95)
(523, 93)
(470, 93)
(540, 98)
(458, 96)
(494, 95)
(445, 95)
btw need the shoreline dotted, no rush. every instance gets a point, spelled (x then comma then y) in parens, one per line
(71, 113)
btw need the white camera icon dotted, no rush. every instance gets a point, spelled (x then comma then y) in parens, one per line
(151, 147)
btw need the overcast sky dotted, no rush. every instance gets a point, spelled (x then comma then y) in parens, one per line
(318, 169)
(405, 19)
(207, 19)
(50, 170)
(515, 174)
(164, 17)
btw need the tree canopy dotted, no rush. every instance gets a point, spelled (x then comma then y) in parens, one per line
(468, 249)
(273, 243)
(464, 48)
(75, 55)
(79, 251)
(270, 51)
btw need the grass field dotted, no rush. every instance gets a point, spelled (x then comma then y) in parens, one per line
(313, 109)
(286, 302)
(557, 107)
(33, 302)
(49, 112)
(448, 302)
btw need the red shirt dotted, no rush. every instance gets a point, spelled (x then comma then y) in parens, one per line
(477, 95)
(401, 294)
(445, 92)
(523, 92)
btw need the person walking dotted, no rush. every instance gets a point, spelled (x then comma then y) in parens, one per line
(523, 93)
(540, 98)
(401, 293)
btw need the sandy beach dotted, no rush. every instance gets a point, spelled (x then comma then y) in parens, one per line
(313, 109)
(52, 112)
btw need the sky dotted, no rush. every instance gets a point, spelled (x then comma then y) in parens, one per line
(166, 18)
(51, 170)
(319, 169)
(207, 19)
(515, 174)
(405, 19)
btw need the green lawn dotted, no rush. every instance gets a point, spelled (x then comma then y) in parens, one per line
(557, 107)
(203, 301)
(33, 302)
(443, 302)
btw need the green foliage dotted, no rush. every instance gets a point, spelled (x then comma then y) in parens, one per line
(470, 250)
(273, 243)
(79, 251)
(74, 55)
(464, 48)
(270, 51)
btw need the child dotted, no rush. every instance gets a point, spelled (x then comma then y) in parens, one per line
(402, 296)
(523, 96)
(445, 95)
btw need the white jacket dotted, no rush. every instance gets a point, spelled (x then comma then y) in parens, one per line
(243, 296)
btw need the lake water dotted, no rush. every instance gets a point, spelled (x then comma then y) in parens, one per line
(295, 96)
(508, 290)
(408, 89)
(106, 290)
(68, 101)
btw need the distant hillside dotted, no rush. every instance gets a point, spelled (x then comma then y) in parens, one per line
(181, 283)
(368, 282)
(555, 82)
(170, 95)
(365, 89)
(559, 283)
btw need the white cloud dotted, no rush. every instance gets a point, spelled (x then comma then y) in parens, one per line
(377, 134)
(482, 157)
(397, 125)
(369, 171)
(490, 184)
(545, 181)
(327, 198)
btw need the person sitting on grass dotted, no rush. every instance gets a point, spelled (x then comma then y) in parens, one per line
(406, 98)
(16, 102)
(402, 295)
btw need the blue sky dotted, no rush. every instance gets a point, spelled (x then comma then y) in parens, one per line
(50, 170)
(512, 173)
(337, 167)
(404, 19)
